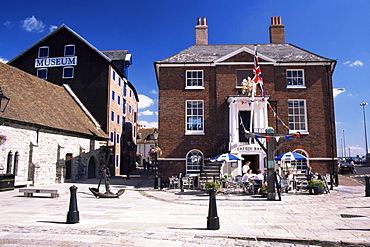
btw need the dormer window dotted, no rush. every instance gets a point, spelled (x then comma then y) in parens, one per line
(69, 50)
(44, 51)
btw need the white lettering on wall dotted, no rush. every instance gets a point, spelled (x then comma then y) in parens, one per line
(55, 62)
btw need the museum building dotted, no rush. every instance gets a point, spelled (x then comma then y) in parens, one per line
(100, 81)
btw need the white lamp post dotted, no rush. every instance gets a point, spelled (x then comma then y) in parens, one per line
(344, 143)
(363, 110)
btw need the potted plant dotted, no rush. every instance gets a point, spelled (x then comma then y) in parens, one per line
(155, 152)
(317, 186)
(211, 185)
(263, 190)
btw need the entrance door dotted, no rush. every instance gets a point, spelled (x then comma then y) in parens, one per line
(244, 123)
(91, 168)
(254, 159)
(68, 166)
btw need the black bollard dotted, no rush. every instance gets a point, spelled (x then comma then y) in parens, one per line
(367, 186)
(73, 215)
(212, 219)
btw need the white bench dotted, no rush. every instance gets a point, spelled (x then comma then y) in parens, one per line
(28, 192)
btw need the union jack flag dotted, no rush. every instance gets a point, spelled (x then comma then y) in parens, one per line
(258, 75)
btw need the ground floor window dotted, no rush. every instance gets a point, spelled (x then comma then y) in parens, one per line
(194, 161)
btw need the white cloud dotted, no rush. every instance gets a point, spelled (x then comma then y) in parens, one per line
(355, 63)
(145, 124)
(31, 24)
(153, 92)
(337, 91)
(146, 113)
(8, 24)
(145, 101)
(3, 60)
(52, 28)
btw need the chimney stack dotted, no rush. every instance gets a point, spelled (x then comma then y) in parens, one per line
(277, 34)
(201, 32)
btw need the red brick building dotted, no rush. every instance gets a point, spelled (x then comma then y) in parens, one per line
(203, 111)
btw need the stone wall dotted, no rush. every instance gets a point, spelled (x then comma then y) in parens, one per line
(41, 155)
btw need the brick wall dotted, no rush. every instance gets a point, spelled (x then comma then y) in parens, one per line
(219, 82)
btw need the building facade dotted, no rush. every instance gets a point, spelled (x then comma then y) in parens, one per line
(99, 79)
(50, 138)
(206, 106)
(145, 141)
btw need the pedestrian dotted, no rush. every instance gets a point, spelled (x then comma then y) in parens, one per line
(246, 167)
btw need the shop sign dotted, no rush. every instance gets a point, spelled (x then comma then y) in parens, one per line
(248, 148)
(55, 62)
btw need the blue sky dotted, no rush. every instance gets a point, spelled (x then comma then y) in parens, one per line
(154, 30)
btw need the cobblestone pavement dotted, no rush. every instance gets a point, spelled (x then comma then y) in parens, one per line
(144, 216)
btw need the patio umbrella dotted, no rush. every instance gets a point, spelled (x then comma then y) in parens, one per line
(290, 156)
(225, 157)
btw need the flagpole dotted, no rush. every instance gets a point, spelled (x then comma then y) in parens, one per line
(253, 93)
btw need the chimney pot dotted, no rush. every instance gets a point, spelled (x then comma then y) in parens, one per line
(201, 32)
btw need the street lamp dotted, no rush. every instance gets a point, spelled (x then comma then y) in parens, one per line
(4, 101)
(344, 143)
(155, 136)
(363, 110)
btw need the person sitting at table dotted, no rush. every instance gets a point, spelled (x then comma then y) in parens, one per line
(248, 176)
(258, 179)
(259, 175)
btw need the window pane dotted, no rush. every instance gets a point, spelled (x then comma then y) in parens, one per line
(42, 73)
(68, 72)
(194, 115)
(69, 50)
(44, 52)
(295, 77)
(194, 78)
(297, 114)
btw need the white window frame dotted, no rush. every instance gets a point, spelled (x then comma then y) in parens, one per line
(74, 50)
(192, 161)
(43, 47)
(302, 164)
(191, 114)
(192, 79)
(69, 77)
(295, 115)
(295, 78)
(42, 69)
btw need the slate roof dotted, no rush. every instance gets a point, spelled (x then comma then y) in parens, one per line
(278, 52)
(116, 55)
(34, 101)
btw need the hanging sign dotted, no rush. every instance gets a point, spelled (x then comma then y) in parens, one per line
(270, 164)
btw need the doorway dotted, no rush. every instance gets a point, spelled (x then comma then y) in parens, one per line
(91, 168)
(68, 166)
(254, 159)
